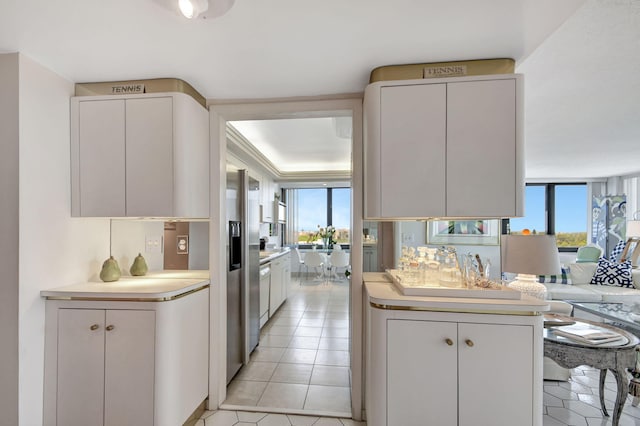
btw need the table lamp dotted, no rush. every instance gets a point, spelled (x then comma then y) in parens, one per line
(530, 256)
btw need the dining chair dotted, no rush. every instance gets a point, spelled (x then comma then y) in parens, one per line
(338, 259)
(314, 260)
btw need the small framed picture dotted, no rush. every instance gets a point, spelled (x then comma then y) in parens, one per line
(483, 232)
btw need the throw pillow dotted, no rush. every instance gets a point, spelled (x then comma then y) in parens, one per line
(613, 273)
(563, 278)
(617, 251)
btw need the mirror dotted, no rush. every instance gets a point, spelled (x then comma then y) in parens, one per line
(380, 251)
(170, 245)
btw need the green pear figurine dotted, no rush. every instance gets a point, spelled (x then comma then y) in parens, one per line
(139, 267)
(110, 270)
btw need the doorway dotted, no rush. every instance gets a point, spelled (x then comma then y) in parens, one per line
(219, 116)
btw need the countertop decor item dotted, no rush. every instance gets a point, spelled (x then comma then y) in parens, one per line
(110, 270)
(530, 256)
(139, 266)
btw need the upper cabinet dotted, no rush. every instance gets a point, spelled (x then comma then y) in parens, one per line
(267, 189)
(444, 148)
(139, 156)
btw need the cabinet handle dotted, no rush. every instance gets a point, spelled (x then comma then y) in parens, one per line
(469, 342)
(110, 327)
(94, 327)
(449, 342)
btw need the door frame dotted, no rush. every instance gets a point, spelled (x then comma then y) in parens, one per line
(219, 114)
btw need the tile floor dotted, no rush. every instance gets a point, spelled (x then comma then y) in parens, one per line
(576, 402)
(302, 362)
(246, 418)
(302, 367)
(572, 403)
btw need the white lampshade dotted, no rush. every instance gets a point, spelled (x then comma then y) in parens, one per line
(530, 254)
(633, 228)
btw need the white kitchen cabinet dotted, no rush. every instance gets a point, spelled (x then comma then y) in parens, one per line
(370, 258)
(125, 362)
(471, 361)
(460, 371)
(280, 281)
(139, 156)
(266, 204)
(105, 367)
(275, 292)
(444, 147)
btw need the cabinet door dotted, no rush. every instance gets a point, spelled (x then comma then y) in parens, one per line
(497, 368)
(267, 199)
(286, 276)
(422, 373)
(129, 368)
(80, 393)
(275, 295)
(149, 153)
(98, 162)
(481, 148)
(412, 150)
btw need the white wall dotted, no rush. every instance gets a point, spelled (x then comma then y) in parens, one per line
(54, 249)
(9, 241)
(128, 238)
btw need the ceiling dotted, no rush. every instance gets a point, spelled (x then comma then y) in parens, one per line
(580, 58)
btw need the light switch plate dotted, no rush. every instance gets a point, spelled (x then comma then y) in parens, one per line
(153, 244)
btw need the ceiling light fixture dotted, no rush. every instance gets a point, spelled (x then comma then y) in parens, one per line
(192, 8)
(203, 9)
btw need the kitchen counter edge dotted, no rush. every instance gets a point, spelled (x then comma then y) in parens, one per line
(274, 255)
(127, 289)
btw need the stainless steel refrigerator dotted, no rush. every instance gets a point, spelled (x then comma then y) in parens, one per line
(243, 262)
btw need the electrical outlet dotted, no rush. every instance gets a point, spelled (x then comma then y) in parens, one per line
(153, 244)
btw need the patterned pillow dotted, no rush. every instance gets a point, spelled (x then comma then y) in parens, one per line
(563, 278)
(613, 273)
(617, 251)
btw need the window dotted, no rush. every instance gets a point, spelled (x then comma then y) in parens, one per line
(535, 219)
(555, 208)
(570, 215)
(321, 207)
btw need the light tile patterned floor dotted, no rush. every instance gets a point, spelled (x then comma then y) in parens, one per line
(245, 418)
(302, 361)
(576, 402)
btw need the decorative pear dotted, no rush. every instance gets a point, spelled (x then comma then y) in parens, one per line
(139, 266)
(110, 270)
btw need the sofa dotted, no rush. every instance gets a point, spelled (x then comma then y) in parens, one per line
(579, 289)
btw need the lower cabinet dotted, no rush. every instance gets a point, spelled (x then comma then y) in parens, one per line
(280, 280)
(464, 372)
(117, 363)
(461, 369)
(370, 258)
(105, 366)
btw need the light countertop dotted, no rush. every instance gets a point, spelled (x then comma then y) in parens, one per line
(272, 254)
(384, 294)
(163, 285)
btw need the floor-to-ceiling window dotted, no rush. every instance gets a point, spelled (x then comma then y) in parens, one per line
(319, 208)
(555, 208)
